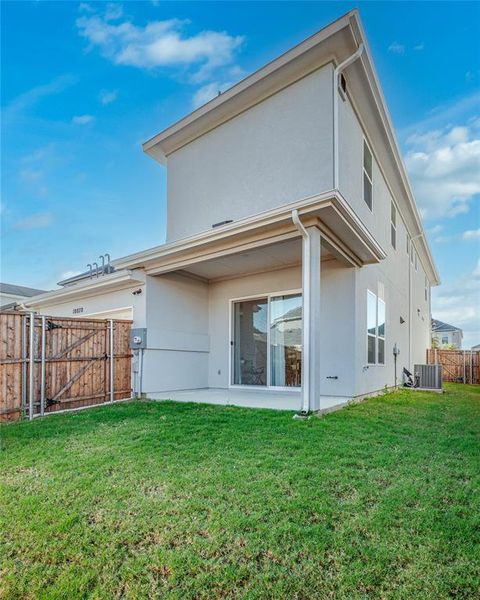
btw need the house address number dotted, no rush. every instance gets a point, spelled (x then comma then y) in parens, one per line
(78, 310)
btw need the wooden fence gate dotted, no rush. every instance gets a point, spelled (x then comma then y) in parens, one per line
(460, 366)
(54, 363)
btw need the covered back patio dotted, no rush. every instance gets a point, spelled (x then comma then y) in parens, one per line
(257, 288)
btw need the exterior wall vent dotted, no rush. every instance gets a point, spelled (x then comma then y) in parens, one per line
(222, 223)
(428, 377)
(342, 86)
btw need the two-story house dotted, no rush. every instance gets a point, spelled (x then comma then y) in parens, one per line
(295, 260)
(444, 334)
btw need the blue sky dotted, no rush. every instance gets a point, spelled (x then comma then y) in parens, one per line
(84, 84)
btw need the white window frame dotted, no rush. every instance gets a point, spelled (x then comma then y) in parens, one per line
(376, 335)
(364, 172)
(369, 335)
(393, 225)
(267, 296)
(382, 337)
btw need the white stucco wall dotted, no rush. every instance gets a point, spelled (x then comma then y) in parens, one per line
(337, 318)
(118, 304)
(177, 334)
(395, 275)
(452, 337)
(277, 152)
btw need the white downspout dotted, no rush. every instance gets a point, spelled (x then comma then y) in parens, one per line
(306, 313)
(410, 298)
(336, 74)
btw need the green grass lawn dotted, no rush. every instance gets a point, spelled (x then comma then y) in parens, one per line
(148, 499)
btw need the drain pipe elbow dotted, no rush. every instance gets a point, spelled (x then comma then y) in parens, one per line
(298, 224)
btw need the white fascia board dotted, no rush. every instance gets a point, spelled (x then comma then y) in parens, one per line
(264, 220)
(102, 285)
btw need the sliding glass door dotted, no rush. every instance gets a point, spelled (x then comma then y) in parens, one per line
(250, 320)
(267, 341)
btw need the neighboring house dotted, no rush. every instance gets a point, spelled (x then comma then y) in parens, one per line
(476, 348)
(287, 191)
(12, 295)
(444, 334)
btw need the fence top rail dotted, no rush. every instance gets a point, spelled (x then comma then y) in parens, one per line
(85, 319)
(452, 351)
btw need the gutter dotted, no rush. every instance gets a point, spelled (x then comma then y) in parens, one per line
(117, 280)
(306, 313)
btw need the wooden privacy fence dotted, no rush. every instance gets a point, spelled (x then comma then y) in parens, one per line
(461, 366)
(54, 363)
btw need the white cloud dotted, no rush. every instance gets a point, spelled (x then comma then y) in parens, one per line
(159, 44)
(68, 274)
(459, 305)
(36, 221)
(107, 97)
(419, 47)
(113, 11)
(396, 48)
(476, 271)
(31, 175)
(436, 229)
(82, 119)
(471, 234)
(208, 92)
(85, 7)
(456, 111)
(444, 166)
(28, 99)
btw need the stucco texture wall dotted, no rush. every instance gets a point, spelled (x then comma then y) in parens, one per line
(277, 152)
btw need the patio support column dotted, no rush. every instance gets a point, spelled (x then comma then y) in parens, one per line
(311, 254)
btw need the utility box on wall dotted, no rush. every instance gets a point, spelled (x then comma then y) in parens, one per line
(138, 338)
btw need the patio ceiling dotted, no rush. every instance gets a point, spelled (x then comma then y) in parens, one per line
(256, 260)
(263, 242)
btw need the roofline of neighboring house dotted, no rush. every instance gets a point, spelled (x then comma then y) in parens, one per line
(283, 71)
(19, 290)
(87, 275)
(86, 288)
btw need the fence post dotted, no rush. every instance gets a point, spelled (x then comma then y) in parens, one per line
(42, 369)
(112, 366)
(24, 364)
(31, 373)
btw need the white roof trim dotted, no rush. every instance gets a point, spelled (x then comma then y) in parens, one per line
(101, 285)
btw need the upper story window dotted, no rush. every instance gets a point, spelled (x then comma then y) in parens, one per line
(393, 225)
(375, 329)
(367, 175)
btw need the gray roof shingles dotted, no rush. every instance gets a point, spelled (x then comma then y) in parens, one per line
(19, 290)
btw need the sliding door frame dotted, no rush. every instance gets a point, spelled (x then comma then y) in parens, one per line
(231, 341)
